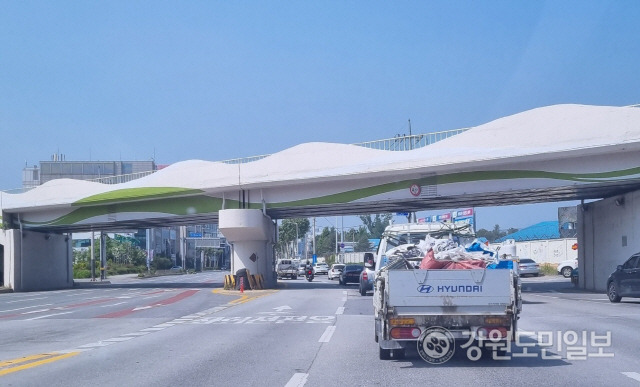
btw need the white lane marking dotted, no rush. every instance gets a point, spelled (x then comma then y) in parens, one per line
(97, 345)
(37, 311)
(340, 310)
(326, 336)
(297, 380)
(632, 375)
(106, 306)
(26, 307)
(26, 299)
(49, 315)
(120, 339)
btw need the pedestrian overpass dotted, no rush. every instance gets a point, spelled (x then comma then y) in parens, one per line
(554, 153)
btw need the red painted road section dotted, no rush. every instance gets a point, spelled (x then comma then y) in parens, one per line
(168, 301)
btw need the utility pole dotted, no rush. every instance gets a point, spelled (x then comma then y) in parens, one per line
(93, 258)
(336, 239)
(297, 239)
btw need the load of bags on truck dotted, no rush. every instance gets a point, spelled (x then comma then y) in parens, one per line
(446, 254)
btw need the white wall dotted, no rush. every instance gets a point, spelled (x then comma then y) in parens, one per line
(351, 258)
(551, 251)
(610, 234)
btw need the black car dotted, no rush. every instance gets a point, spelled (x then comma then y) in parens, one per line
(350, 274)
(575, 276)
(625, 281)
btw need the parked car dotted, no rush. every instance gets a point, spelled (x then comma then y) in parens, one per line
(566, 267)
(335, 270)
(350, 274)
(625, 281)
(321, 268)
(367, 275)
(528, 266)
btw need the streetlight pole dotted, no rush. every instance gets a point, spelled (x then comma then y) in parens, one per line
(314, 236)
(297, 238)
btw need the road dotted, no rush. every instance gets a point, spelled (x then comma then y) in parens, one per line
(185, 330)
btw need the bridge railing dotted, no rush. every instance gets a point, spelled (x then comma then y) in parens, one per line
(404, 143)
(398, 143)
(121, 178)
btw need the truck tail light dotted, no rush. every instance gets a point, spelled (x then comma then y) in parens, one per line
(492, 333)
(405, 332)
(365, 277)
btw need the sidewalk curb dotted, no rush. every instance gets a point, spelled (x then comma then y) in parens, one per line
(89, 284)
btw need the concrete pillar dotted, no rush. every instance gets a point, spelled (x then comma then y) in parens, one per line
(252, 235)
(37, 261)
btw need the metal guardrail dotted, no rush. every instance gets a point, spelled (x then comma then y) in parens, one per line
(404, 143)
(121, 178)
(398, 143)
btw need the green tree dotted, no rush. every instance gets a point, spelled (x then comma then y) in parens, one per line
(494, 234)
(360, 237)
(377, 224)
(326, 242)
(288, 231)
(362, 244)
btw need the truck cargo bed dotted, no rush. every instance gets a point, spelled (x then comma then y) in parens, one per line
(449, 292)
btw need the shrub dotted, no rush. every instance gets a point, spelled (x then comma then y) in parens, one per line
(548, 269)
(82, 273)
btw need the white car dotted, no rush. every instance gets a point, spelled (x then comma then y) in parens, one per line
(321, 268)
(566, 267)
(335, 270)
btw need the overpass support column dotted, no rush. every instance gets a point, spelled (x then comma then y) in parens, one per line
(252, 235)
(36, 261)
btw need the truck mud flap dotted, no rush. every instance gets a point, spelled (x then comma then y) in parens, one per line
(392, 344)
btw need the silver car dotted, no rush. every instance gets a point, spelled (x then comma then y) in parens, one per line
(321, 268)
(528, 266)
(335, 270)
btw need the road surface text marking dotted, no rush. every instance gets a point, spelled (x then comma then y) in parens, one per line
(9, 366)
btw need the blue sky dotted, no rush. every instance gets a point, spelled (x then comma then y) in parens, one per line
(213, 80)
